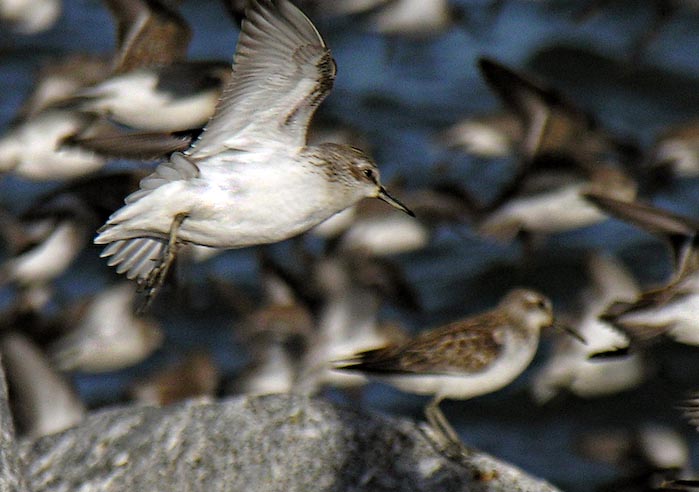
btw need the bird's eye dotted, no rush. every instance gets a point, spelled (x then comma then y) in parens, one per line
(369, 173)
(538, 303)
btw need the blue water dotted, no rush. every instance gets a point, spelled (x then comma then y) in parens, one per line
(399, 93)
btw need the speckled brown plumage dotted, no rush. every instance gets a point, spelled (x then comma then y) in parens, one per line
(463, 346)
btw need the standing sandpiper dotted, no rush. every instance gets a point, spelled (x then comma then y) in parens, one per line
(250, 178)
(464, 359)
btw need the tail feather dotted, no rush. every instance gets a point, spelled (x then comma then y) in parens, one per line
(136, 257)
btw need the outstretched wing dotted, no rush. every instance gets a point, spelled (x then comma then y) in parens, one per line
(282, 70)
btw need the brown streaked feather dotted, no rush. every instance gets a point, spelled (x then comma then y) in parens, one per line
(149, 33)
(457, 348)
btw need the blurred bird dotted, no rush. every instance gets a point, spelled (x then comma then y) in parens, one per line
(43, 402)
(675, 153)
(33, 148)
(671, 308)
(194, 377)
(29, 16)
(414, 18)
(45, 239)
(248, 200)
(162, 98)
(150, 33)
(650, 457)
(677, 231)
(569, 367)
(488, 136)
(550, 202)
(147, 91)
(555, 132)
(353, 288)
(106, 334)
(370, 229)
(564, 153)
(153, 87)
(276, 347)
(58, 79)
(110, 140)
(276, 336)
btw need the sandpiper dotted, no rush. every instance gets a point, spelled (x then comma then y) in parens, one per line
(58, 79)
(30, 16)
(488, 135)
(675, 152)
(275, 335)
(153, 87)
(553, 129)
(464, 359)
(569, 367)
(651, 456)
(195, 376)
(527, 207)
(250, 178)
(354, 287)
(149, 33)
(43, 400)
(669, 309)
(32, 148)
(106, 334)
(45, 239)
(563, 152)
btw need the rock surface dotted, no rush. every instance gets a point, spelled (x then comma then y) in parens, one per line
(11, 476)
(272, 443)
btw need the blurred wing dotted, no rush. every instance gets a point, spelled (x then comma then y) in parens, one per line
(681, 232)
(282, 70)
(148, 33)
(543, 110)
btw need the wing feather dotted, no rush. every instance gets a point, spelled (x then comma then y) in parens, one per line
(282, 71)
(462, 346)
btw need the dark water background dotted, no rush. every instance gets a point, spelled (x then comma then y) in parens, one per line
(399, 93)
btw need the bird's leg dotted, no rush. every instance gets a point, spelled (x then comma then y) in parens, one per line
(447, 440)
(439, 423)
(152, 284)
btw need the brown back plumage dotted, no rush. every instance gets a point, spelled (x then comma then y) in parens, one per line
(462, 346)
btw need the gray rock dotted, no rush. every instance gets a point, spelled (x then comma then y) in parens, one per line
(11, 476)
(272, 443)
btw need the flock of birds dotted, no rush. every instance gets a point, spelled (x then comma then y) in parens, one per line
(243, 162)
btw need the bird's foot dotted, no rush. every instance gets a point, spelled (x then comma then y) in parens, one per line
(152, 284)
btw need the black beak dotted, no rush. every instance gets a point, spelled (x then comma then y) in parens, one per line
(384, 195)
